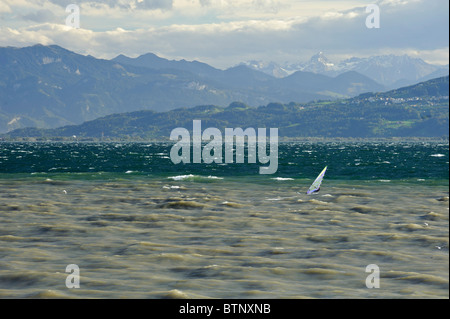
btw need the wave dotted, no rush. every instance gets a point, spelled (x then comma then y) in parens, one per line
(192, 177)
(172, 187)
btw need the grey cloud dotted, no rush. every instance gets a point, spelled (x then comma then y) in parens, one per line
(145, 4)
(423, 26)
(419, 26)
(155, 4)
(271, 5)
(205, 3)
(416, 25)
(41, 16)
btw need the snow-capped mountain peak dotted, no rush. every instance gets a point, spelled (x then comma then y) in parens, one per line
(390, 70)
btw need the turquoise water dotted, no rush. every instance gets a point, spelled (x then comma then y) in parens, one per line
(358, 161)
(139, 226)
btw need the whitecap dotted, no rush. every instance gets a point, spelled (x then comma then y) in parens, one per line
(180, 177)
(282, 179)
(190, 176)
(171, 187)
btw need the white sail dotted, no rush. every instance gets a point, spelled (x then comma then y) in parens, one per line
(316, 185)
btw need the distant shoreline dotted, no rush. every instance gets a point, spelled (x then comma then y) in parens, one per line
(281, 139)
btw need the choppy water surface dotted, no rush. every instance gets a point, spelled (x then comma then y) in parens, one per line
(140, 227)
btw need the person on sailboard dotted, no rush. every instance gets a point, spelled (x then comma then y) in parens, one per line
(315, 187)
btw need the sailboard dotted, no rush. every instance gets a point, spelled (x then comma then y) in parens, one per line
(315, 187)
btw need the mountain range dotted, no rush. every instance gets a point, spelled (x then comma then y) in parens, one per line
(389, 70)
(49, 86)
(420, 110)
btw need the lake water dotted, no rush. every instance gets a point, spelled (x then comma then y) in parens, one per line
(138, 226)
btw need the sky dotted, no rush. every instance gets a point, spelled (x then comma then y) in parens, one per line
(224, 33)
